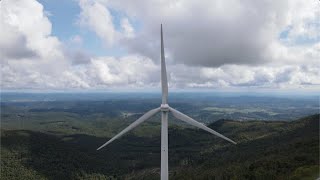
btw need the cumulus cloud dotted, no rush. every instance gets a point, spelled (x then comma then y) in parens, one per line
(14, 44)
(98, 18)
(77, 56)
(30, 55)
(209, 44)
(56, 66)
(128, 71)
(243, 76)
(214, 33)
(32, 29)
(76, 40)
(127, 28)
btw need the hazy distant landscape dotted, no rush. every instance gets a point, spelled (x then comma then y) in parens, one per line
(54, 136)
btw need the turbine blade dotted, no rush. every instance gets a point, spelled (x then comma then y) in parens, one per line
(193, 122)
(164, 82)
(133, 125)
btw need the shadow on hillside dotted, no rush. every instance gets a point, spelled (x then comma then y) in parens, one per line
(71, 156)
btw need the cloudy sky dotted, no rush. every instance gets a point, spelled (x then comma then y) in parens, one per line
(115, 44)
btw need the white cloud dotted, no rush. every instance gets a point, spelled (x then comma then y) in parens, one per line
(98, 18)
(215, 33)
(28, 31)
(303, 20)
(39, 60)
(76, 40)
(126, 71)
(35, 27)
(206, 45)
(127, 28)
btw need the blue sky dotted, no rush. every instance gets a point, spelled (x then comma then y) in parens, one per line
(64, 18)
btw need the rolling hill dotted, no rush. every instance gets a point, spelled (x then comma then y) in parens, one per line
(265, 150)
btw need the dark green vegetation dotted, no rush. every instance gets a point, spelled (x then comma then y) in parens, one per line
(57, 140)
(265, 150)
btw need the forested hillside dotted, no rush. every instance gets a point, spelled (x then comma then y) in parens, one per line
(265, 150)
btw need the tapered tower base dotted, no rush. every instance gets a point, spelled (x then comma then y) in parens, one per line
(164, 145)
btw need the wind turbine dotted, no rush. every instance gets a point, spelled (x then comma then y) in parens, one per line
(165, 109)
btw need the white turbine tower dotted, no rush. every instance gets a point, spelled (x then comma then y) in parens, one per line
(165, 109)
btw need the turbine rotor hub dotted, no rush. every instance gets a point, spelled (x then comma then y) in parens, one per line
(164, 107)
